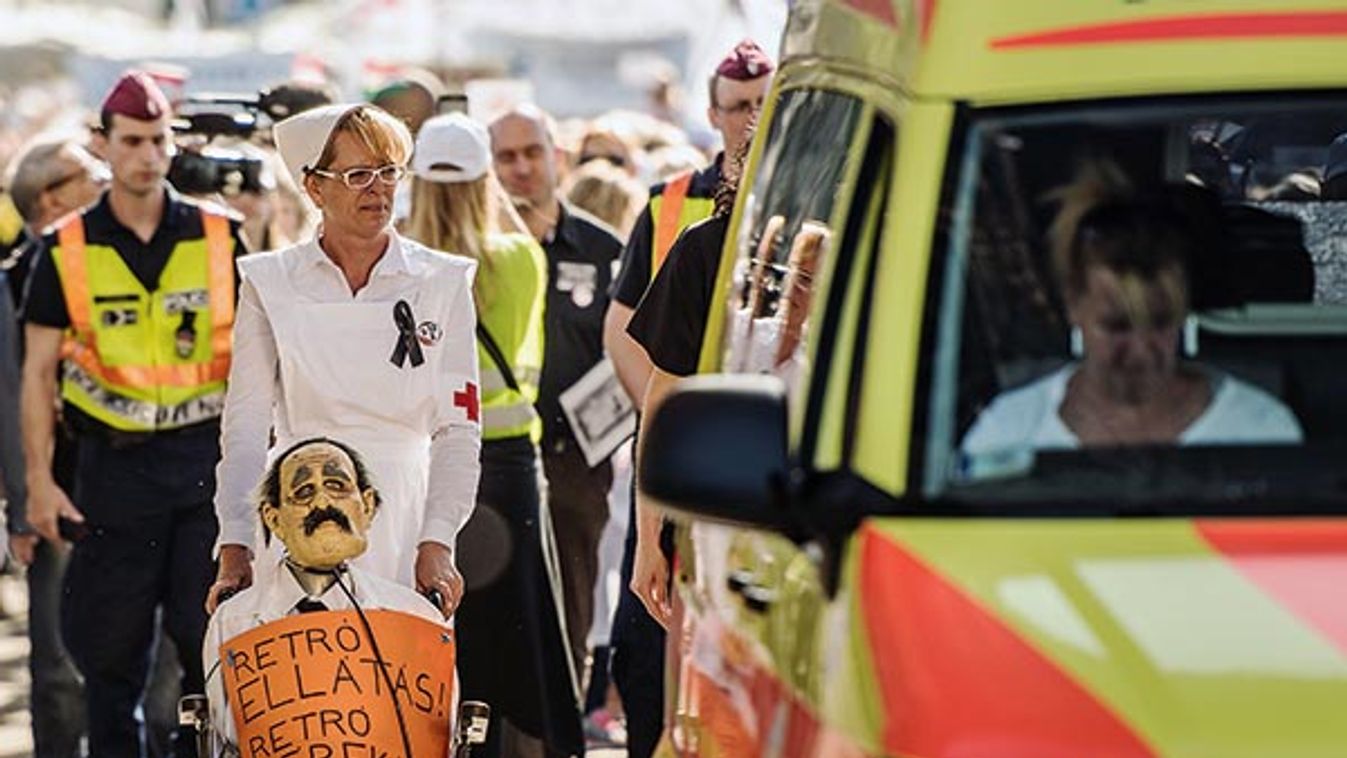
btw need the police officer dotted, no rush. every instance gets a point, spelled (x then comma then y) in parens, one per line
(136, 294)
(52, 178)
(737, 90)
(581, 254)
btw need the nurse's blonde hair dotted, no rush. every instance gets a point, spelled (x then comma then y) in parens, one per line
(382, 134)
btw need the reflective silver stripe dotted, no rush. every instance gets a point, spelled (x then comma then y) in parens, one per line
(507, 416)
(493, 379)
(143, 415)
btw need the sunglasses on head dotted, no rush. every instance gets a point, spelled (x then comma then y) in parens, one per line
(616, 160)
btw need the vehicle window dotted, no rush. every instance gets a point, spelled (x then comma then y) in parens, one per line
(785, 238)
(1149, 304)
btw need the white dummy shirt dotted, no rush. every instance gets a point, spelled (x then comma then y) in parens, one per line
(275, 595)
(1030, 418)
(312, 360)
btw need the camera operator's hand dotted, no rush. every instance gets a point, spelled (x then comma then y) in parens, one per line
(235, 574)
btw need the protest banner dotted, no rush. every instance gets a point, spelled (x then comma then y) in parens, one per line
(312, 686)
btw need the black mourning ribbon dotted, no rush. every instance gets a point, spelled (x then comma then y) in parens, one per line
(407, 346)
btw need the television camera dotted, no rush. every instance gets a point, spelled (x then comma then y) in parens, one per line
(216, 135)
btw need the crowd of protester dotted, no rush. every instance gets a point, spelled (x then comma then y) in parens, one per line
(560, 196)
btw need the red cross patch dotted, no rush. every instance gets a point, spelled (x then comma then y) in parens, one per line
(468, 401)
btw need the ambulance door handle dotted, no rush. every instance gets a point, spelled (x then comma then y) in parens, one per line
(757, 598)
(739, 579)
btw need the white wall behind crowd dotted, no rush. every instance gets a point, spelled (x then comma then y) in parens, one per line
(584, 56)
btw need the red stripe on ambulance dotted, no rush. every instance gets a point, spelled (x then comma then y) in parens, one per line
(1302, 564)
(956, 680)
(1185, 28)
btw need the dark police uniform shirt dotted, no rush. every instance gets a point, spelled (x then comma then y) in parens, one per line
(117, 467)
(634, 276)
(45, 304)
(581, 256)
(18, 261)
(670, 320)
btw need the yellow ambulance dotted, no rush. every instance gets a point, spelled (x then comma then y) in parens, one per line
(855, 576)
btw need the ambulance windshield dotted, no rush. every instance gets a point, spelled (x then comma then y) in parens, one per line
(1151, 305)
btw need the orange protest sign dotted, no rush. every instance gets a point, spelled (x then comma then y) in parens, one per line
(311, 686)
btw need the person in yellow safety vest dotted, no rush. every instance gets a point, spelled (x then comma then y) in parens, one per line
(49, 179)
(11, 224)
(137, 296)
(512, 650)
(737, 90)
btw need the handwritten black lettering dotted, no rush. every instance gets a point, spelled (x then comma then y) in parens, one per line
(348, 639)
(343, 676)
(317, 638)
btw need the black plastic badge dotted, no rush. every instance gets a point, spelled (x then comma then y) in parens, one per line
(185, 337)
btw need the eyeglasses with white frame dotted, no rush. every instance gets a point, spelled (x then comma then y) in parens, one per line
(361, 177)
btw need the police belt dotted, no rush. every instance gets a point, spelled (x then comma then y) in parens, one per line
(80, 425)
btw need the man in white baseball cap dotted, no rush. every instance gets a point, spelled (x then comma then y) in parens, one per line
(361, 335)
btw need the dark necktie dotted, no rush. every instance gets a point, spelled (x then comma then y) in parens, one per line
(309, 605)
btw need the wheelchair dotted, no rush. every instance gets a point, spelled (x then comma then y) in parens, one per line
(194, 712)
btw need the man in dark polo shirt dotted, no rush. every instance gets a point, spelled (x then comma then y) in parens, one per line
(51, 178)
(133, 301)
(581, 253)
(737, 90)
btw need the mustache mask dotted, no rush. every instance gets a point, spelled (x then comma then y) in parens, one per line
(315, 519)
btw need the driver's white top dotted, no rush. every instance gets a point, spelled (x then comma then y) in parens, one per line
(1028, 418)
(313, 360)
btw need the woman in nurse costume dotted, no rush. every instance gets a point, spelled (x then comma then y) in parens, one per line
(361, 335)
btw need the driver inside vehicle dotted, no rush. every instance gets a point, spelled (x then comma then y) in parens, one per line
(1120, 260)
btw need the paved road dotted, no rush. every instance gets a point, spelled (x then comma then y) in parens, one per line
(15, 735)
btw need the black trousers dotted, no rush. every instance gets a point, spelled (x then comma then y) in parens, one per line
(146, 557)
(57, 695)
(511, 651)
(57, 699)
(118, 577)
(578, 498)
(637, 661)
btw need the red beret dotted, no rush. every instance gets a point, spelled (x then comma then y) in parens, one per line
(136, 95)
(746, 61)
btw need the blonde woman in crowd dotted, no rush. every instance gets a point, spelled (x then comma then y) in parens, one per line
(511, 640)
(603, 142)
(608, 193)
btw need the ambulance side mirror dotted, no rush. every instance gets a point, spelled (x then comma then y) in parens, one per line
(716, 449)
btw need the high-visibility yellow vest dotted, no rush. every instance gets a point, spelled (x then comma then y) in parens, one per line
(514, 317)
(672, 211)
(11, 223)
(142, 361)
